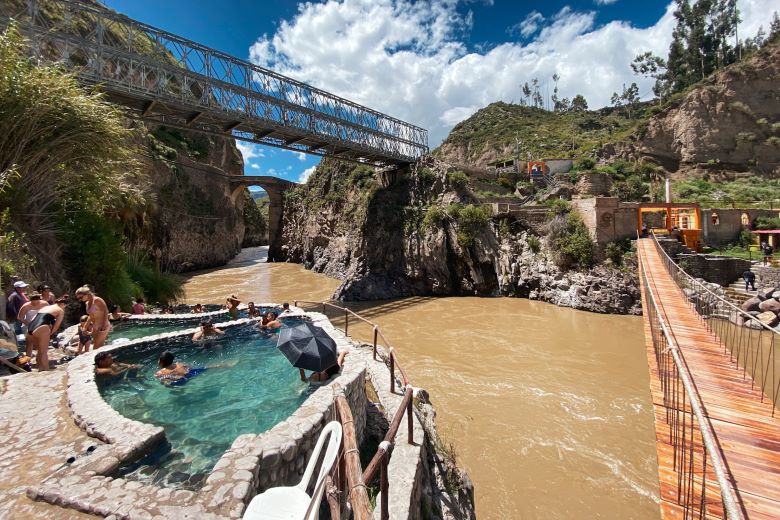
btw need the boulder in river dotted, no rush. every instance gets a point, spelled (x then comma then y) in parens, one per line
(768, 318)
(753, 304)
(770, 304)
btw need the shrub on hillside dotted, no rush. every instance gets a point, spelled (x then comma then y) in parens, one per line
(584, 163)
(569, 242)
(632, 189)
(558, 206)
(471, 221)
(457, 179)
(434, 217)
(614, 251)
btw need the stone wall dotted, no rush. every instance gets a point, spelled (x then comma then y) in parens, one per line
(594, 183)
(766, 276)
(722, 226)
(721, 270)
(558, 165)
(607, 218)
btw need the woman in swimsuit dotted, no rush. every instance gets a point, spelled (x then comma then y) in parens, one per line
(327, 373)
(98, 315)
(43, 327)
(26, 314)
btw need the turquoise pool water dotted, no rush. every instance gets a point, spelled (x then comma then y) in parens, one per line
(133, 329)
(249, 388)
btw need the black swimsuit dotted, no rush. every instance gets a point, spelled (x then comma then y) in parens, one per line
(42, 318)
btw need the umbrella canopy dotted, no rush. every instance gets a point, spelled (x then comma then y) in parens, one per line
(307, 346)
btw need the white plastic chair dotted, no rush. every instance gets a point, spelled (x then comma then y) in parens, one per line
(292, 502)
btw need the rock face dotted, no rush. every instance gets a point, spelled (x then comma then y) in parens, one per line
(195, 222)
(730, 123)
(403, 240)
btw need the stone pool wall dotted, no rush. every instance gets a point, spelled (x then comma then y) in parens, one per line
(252, 464)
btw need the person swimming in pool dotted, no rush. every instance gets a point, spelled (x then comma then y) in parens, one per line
(270, 323)
(172, 373)
(106, 366)
(207, 329)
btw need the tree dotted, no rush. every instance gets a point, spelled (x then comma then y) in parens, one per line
(579, 103)
(554, 97)
(628, 98)
(537, 95)
(700, 40)
(527, 93)
(774, 30)
(651, 66)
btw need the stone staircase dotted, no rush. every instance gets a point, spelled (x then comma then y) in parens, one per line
(735, 292)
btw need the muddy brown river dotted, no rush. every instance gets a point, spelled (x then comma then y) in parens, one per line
(547, 408)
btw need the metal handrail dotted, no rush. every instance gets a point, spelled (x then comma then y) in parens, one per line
(731, 503)
(769, 390)
(669, 263)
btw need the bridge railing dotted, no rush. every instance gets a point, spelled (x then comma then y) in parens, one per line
(137, 59)
(697, 456)
(750, 343)
(355, 479)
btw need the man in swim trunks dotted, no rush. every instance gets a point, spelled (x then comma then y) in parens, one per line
(45, 324)
(106, 366)
(206, 330)
(98, 315)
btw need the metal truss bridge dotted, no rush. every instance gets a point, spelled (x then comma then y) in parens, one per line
(173, 81)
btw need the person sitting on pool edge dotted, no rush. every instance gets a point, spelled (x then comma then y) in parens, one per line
(206, 329)
(318, 377)
(105, 365)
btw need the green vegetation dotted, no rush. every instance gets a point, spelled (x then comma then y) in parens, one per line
(157, 287)
(457, 179)
(542, 133)
(534, 243)
(427, 177)
(740, 190)
(569, 242)
(167, 140)
(471, 221)
(13, 256)
(766, 223)
(434, 217)
(615, 251)
(68, 181)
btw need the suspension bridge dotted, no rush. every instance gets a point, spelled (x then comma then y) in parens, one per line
(167, 79)
(714, 378)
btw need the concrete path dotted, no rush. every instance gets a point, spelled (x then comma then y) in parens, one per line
(37, 435)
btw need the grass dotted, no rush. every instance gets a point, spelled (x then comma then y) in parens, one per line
(735, 252)
(542, 133)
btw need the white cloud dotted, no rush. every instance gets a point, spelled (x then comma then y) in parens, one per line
(250, 151)
(305, 174)
(529, 25)
(407, 58)
(301, 156)
(604, 2)
(255, 166)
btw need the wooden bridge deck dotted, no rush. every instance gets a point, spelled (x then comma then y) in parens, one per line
(748, 435)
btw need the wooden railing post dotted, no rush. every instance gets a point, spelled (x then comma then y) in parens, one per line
(356, 488)
(346, 322)
(383, 487)
(410, 422)
(376, 333)
(392, 370)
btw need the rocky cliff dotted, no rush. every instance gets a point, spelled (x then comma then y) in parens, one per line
(727, 123)
(421, 236)
(195, 220)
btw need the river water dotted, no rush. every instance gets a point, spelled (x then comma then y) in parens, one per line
(547, 408)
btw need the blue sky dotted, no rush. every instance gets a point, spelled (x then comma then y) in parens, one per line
(430, 62)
